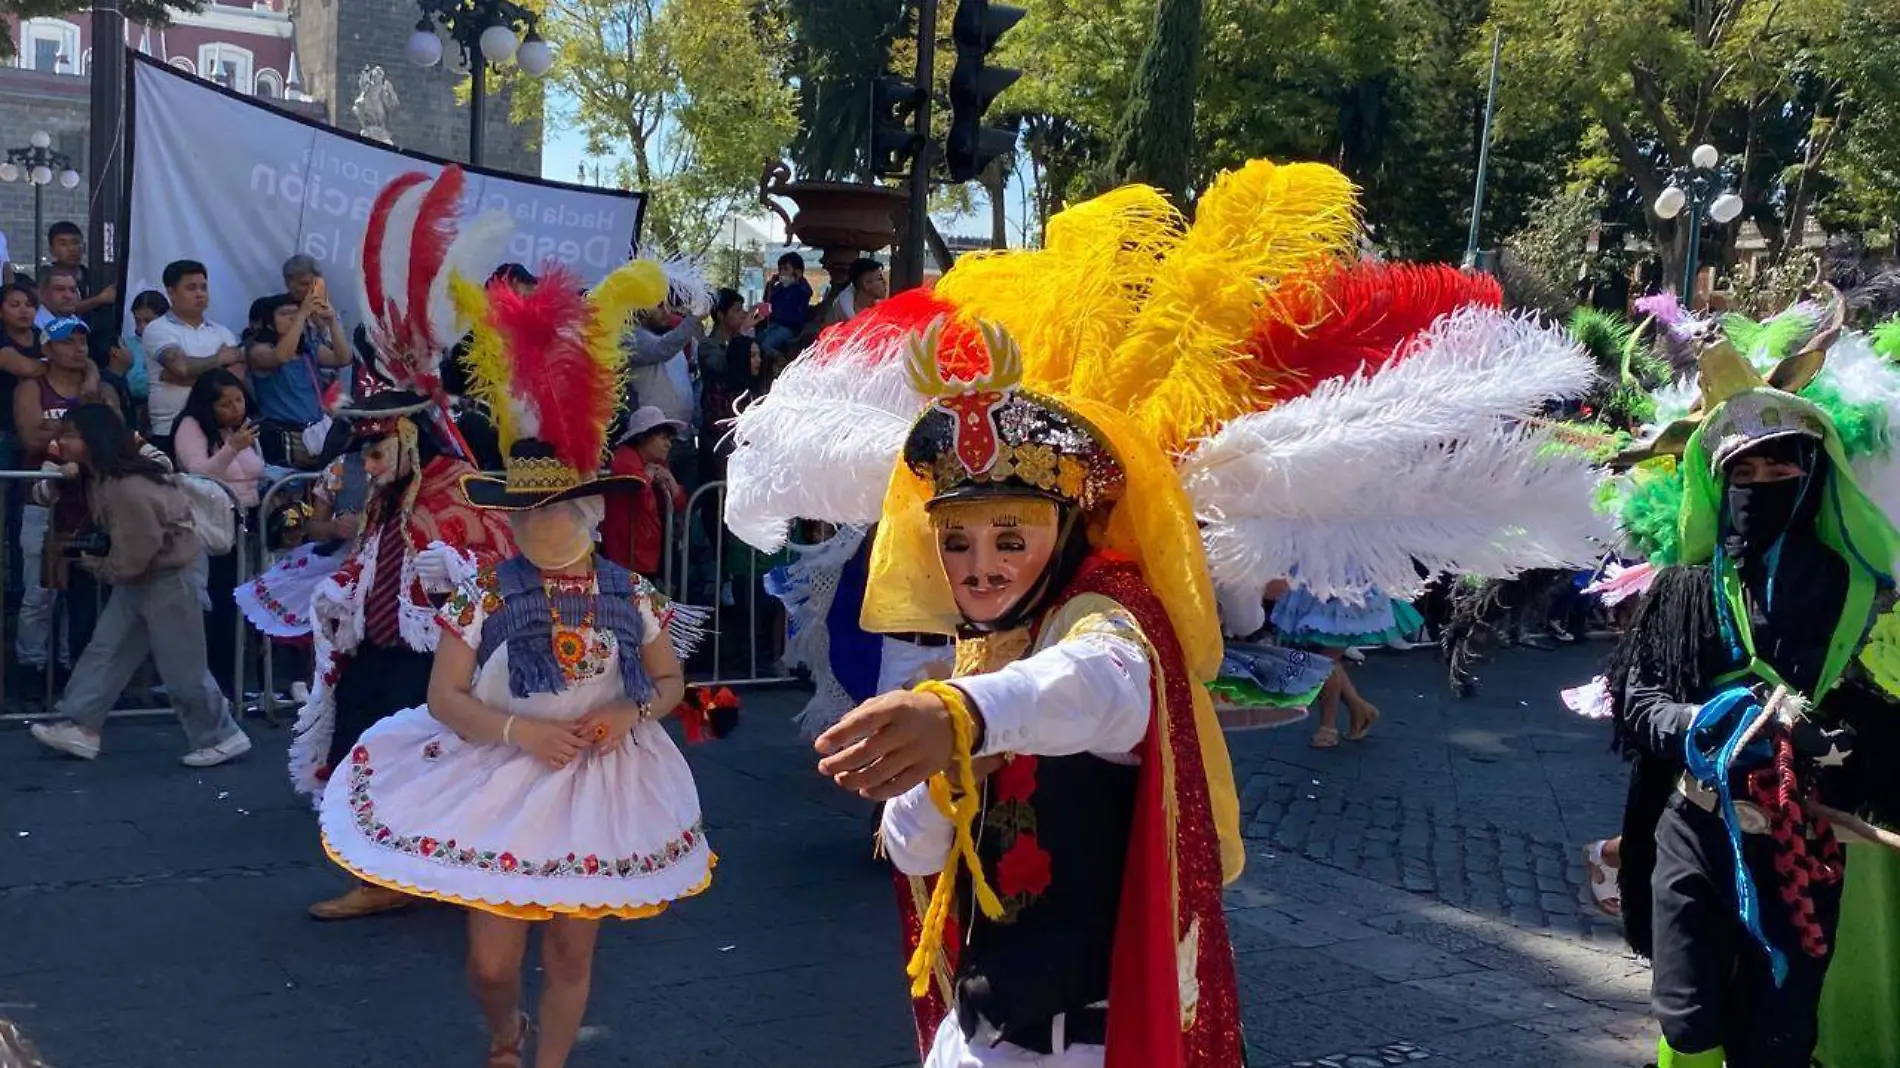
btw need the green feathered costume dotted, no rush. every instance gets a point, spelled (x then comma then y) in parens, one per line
(1671, 509)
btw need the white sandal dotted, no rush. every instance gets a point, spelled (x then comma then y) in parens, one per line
(1603, 881)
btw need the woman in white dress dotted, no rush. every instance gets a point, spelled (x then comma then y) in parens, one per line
(537, 785)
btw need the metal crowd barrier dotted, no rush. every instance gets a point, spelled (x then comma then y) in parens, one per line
(57, 627)
(755, 589)
(255, 556)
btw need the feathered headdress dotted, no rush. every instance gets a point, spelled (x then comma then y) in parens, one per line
(548, 363)
(413, 246)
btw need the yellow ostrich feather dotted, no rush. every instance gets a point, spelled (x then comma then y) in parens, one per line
(629, 288)
(486, 359)
(1081, 292)
(1176, 371)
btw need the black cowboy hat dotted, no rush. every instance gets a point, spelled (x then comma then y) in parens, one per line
(533, 476)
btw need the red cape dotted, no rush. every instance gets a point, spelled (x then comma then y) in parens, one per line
(1171, 885)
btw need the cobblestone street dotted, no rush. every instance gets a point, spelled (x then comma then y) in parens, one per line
(1415, 899)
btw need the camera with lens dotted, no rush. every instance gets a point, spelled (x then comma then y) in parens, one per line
(93, 542)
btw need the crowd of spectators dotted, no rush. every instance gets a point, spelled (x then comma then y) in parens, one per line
(246, 407)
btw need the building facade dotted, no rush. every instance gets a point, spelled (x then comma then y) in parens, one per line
(304, 56)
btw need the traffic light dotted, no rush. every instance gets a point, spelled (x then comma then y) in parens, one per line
(893, 139)
(973, 86)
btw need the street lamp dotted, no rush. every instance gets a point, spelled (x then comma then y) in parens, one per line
(40, 166)
(1701, 188)
(489, 33)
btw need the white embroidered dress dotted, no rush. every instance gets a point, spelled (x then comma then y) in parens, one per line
(615, 833)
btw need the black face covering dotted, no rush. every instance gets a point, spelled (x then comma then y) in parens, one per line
(1762, 513)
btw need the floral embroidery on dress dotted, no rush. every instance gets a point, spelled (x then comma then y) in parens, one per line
(432, 750)
(452, 854)
(1023, 871)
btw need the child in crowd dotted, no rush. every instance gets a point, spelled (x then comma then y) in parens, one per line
(633, 534)
(790, 297)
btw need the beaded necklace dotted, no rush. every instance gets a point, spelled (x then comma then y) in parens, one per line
(570, 642)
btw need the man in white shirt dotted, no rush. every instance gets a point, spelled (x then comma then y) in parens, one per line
(183, 345)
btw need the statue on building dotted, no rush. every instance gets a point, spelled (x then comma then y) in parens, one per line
(375, 98)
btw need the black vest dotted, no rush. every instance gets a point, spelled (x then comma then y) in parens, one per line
(1050, 952)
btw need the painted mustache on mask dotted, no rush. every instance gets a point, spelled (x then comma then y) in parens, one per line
(977, 582)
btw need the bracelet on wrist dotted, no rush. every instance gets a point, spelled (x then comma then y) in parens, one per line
(507, 730)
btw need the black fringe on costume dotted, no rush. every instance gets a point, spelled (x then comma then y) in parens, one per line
(1672, 642)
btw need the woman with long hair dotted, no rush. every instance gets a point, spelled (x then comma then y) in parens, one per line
(216, 437)
(146, 549)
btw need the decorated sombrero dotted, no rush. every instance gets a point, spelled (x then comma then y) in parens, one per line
(549, 365)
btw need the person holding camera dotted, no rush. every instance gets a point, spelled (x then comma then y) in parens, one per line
(216, 436)
(144, 547)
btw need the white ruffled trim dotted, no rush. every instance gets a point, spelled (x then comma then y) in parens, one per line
(338, 609)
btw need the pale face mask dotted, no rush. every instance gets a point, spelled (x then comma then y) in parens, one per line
(993, 551)
(557, 537)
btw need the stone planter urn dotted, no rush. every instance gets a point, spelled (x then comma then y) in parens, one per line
(844, 219)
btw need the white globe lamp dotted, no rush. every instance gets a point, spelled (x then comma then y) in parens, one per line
(69, 179)
(535, 57)
(499, 44)
(9, 172)
(1705, 156)
(41, 139)
(1669, 203)
(424, 48)
(42, 175)
(1726, 208)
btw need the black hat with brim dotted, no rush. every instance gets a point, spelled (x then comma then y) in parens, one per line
(534, 478)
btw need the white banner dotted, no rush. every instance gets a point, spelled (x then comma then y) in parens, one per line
(241, 187)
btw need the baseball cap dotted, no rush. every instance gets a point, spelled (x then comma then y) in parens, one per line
(63, 328)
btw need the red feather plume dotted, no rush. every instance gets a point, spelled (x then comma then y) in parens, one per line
(375, 235)
(1358, 317)
(549, 332)
(428, 248)
(880, 333)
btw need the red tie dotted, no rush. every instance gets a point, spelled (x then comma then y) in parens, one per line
(383, 601)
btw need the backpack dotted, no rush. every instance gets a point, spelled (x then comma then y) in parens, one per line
(212, 517)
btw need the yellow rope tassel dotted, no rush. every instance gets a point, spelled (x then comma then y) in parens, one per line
(961, 810)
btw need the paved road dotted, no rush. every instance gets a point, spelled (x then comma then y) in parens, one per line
(1414, 899)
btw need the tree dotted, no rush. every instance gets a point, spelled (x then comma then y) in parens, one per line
(1154, 141)
(693, 93)
(1766, 81)
(150, 12)
(838, 48)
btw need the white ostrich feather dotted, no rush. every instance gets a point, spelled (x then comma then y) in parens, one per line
(686, 286)
(477, 249)
(1358, 482)
(1859, 375)
(820, 445)
(1494, 503)
(1673, 402)
(397, 240)
(1475, 363)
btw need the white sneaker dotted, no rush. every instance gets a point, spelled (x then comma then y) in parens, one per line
(69, 738)
(212, 755)
(1355, 654)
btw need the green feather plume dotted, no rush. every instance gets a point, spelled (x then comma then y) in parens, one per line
(1887, 339)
